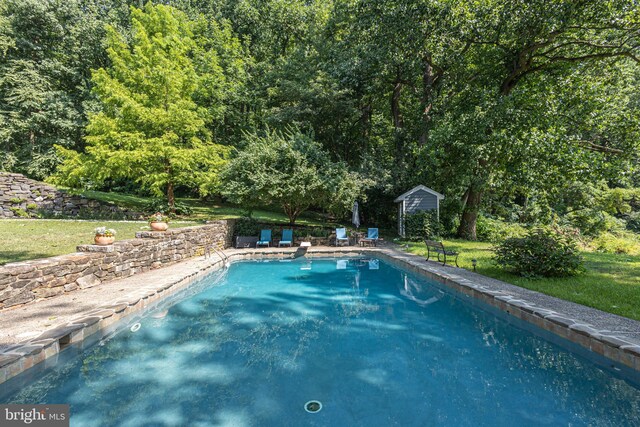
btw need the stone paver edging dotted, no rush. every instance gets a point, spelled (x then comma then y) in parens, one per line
(622, 348)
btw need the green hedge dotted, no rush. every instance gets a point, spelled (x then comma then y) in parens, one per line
(246, 226)
(422, 225)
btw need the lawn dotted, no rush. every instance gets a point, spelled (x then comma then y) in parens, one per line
(30, 239)
(35, 238)
(610, 283)
(205, 210)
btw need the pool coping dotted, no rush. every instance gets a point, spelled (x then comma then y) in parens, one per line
(619, 348)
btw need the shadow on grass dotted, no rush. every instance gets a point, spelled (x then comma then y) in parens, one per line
(16, 256)
(622, 275)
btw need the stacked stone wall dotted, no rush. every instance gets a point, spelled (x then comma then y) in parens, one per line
(22, 282)
(21, 197)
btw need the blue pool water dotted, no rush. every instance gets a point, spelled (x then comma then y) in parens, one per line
(376, 345)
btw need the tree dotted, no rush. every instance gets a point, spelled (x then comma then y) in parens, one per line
(515, 49)
(150, 128)
(291, 170)
(47, 49)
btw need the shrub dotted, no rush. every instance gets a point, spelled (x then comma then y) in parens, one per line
(619, 201)
(593, 222)
(162, 206)
(246, 226)
(540, 253)
(633, 222)
(422, 225)
(450, 209)
(590, 222)
(495, 230)
(19, 212)
(16, 200)
(617, 244)
(311, 231)
(32, 206)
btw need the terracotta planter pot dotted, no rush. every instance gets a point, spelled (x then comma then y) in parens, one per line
(159, 226)
(104, 240)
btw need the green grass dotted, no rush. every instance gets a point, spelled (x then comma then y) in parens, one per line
(30, 239)
(204, 210)
(120, 199)
(610, 283)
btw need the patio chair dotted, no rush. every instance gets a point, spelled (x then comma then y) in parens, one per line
(372, 237)
(341, 236)
(265, 238)
(287, 238)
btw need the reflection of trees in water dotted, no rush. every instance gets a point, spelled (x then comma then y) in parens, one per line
(418, 292)
(353, 302)
(531, 363)
(38, 391)
(279, 341)
(356, 307)
(106, 369)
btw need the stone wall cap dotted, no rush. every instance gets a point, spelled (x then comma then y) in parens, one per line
(29, 349)
(60, 331)
(95, 248)
(8, 358)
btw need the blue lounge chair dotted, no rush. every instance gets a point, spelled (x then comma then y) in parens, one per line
(372, 237)
(265, 238)
(287, 238)
(341, 236)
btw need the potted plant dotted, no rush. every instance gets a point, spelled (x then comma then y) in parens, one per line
(159, 222)
(104, 236)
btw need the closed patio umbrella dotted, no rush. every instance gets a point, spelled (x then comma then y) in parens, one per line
(355, 217)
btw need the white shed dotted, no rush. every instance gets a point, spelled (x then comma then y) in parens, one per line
(419, 198)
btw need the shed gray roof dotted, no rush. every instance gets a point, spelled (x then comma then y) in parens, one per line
(416, 188)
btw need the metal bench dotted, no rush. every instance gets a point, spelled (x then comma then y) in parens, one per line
(438, 247)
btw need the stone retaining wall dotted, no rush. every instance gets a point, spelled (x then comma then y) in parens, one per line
(21, 197)
(22, 282)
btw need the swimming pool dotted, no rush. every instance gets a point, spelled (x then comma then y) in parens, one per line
(374, 344)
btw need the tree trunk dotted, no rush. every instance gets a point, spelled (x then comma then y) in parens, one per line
(428, 79)
(473, 195)
(291, 212)
(171, 197)
(398, 122)
(365, 118)
(467, 228)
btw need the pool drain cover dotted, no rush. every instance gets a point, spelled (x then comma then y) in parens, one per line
(312, 406)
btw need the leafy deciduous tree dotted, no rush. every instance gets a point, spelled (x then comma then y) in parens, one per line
(290, 170)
